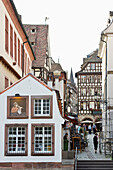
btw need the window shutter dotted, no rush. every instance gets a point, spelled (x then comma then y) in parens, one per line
(6, 34)
(18, 52)
(11, 41)
(15, 46)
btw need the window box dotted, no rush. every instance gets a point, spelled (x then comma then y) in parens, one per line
(16, 138)
(17, 107)
(42, 140)
(41, 107)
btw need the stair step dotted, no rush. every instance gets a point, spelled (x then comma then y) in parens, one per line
(94, 168)
(94, 165)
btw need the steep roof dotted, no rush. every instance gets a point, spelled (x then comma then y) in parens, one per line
(56, 66)
(25, 78)
(92, 57)
(71, 77)
(41, 47)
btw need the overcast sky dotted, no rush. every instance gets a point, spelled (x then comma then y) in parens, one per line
(75, 26)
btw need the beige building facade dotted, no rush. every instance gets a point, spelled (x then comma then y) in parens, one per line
(16, 54)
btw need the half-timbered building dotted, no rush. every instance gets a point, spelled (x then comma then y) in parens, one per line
(89, 80)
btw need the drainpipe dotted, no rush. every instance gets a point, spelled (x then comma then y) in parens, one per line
(105, 92)
(23, 59)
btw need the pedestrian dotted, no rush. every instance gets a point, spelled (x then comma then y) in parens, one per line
(79, 126)
(89, 128)
(66, 142)
(66, 136)
(95, 142)
(94, 128)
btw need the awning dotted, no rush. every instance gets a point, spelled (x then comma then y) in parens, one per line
(87, 121)
(72, 119)
(98, 122)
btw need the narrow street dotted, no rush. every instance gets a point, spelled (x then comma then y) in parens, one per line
(89, 153)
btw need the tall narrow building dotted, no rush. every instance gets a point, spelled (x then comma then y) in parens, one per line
(16, 53)
(89, 80)
(39, 39)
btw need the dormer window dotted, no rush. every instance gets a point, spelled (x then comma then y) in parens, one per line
(92, 66)
(32, 43)
(33, 30)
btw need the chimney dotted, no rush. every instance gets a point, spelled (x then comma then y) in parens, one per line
(111, 16)
(20, 17)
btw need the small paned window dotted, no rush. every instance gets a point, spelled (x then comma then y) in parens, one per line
(42, 140)
(83, 79)
(91, 105)
(16, 140)
(41, 107)
(92, 66)
(83, 92)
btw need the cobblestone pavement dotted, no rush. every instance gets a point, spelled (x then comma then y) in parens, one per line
(89, 153)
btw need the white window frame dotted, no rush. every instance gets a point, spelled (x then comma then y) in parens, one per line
(92, 105)
(42, 141)
(41, 108)
(16, 143)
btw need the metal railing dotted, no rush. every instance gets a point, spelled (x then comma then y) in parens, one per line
(105, 144)
(76, 159)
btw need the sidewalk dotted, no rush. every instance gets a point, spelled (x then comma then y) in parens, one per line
(89, 153)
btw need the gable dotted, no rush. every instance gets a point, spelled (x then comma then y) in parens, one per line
(27, 83)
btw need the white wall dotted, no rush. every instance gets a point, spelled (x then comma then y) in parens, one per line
(30, 86)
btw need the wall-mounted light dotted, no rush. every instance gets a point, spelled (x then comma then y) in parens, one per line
(17, 95)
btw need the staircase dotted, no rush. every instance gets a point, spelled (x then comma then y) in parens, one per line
(94, 165)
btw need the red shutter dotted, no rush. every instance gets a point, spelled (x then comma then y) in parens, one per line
(15, 46)
(6, 34)
(18, 52)
(11, 41)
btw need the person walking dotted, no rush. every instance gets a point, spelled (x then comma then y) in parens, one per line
(95, 142)
(94, 128)
(66, 142)
(89, 128)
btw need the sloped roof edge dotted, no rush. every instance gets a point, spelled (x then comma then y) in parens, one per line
(29, 74)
